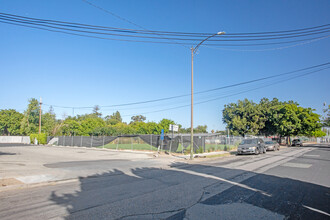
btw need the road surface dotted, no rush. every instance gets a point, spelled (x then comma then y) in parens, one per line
(292, 183)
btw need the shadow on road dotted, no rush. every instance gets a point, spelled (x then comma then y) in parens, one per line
(151, 193)
(6, 153)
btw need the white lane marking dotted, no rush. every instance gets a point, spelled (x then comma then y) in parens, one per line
(316, 210)
(297, 165)
(311, 155)
(221, 179)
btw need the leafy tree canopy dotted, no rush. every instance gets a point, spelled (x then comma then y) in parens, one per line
(270, 118)
(138, 118)
(10, 122)
(30, 121)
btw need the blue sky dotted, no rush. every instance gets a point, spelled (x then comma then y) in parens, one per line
(68, 70)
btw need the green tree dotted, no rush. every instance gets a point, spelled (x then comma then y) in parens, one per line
(318, 133)
(140, 127)
(243, 117)
(10, 122)
(122, 128)
(96, 111)
(271, 117)
(138, 118)
(165, 124)
(30, 121)
(89, 124)
(71, 127)
(48, 122)
(200, 129)
(153, 128)
(113, 119)
(268, 111)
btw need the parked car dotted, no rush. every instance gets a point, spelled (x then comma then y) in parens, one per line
(251, 146)
(297, 142)
(272, 145)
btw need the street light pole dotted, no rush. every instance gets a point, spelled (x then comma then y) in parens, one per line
(192, 106)
(193, 50)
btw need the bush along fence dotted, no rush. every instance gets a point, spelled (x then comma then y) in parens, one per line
(179, 143)
(38, 138)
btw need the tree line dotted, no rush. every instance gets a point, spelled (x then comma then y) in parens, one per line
(268, 117)
(272, 117)
(13, 122)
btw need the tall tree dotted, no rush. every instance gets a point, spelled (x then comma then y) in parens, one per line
(113, 119)
(96, 111)
(271, 118)
(243, 117)
(10, 122)
(165, 124)
(30, 121)
(139, 118)
(48, 123)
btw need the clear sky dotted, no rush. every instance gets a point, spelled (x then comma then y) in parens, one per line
(68, 70)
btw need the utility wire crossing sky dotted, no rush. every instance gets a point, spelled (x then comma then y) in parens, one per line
(130, 56)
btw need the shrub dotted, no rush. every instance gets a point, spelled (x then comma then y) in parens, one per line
(41, 138)
(199, 150)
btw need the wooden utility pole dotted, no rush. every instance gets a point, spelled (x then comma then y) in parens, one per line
(40, 116)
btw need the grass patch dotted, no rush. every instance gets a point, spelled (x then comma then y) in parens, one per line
(219, 147)
(130, 147)
(218, 155)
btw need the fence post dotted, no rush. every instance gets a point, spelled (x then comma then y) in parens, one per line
(103, 142)
(181, 144)
(63, 140)
(131, 144)
(81, 141)
(151, 142)
(117, 142)
(92, 141)
(71, 141)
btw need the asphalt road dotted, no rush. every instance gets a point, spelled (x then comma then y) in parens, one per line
(290, 184)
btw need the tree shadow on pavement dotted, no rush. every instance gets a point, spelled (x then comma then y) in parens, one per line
(153, 193)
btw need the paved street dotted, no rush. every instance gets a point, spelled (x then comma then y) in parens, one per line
(292, 183)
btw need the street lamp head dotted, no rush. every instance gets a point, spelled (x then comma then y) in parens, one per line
(220, 33)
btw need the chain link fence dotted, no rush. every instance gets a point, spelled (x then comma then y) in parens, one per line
(178, 143)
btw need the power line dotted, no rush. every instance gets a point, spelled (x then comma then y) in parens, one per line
(272, 33)
(128, 21)
(270, 49)
(204, 91)
(218, 98)
(144, 41)
(90, 29)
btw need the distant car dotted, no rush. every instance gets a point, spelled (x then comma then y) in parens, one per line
(297, 142)
(251, 146)
(272, 145)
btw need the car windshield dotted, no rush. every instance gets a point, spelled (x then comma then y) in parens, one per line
(249, 141)
(269, 142)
